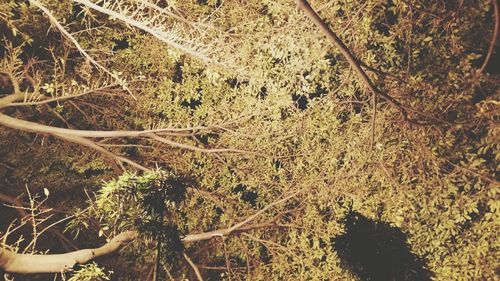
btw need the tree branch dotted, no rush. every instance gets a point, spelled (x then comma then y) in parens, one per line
(24, 125)
(20, 209)
(194, 148)
(159, 34)
(227, 231)
(337, 42)
(494, 38)
(60, 98)
(55, 22)
(193, 266)
(110, 155)
(25, 263)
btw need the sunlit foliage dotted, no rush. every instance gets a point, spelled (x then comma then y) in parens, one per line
(278, 89)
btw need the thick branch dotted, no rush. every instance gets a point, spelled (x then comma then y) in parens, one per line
(25, 263)
(80, 137)
(7, 100)
(24, 125)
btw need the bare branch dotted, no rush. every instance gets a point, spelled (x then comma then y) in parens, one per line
(19, 207)
(24, 125)
(25, 263)
(160, 34)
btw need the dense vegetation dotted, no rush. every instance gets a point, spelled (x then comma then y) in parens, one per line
(266, 123)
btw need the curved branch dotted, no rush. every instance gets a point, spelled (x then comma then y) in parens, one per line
(494, 38)
(7, 100)
(93, 145)
(25, 263)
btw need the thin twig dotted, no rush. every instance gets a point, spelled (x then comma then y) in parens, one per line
(61, 29)
(195, 148)
(228, 265)
(193, 266)
(374, 116)
(488, 179)
(61, 97)
(93, 145)
(18, 205)
(225, 232)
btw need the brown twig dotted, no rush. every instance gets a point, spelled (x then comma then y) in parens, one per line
(195, 148)
(193, 266)
(374, 117)
(61, 97)
(66, 34)
(488, 179)
(228, 231)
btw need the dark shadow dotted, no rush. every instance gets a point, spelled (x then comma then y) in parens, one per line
(374, 250)
(120, 44)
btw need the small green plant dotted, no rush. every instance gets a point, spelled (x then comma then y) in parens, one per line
(144, 203)
(90, 272)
